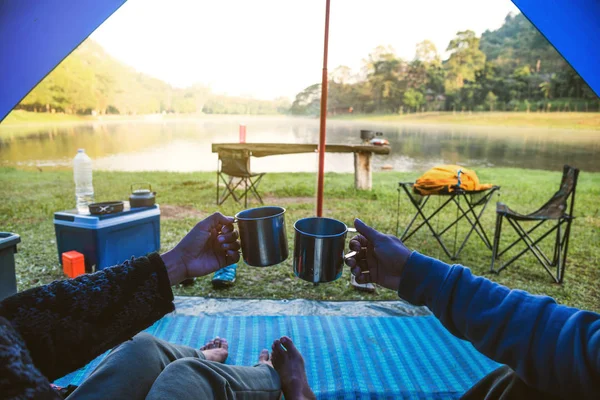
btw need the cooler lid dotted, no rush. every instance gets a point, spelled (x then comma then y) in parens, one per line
(73, 218)
(8, 239)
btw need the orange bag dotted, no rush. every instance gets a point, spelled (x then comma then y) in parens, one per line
(444, 179)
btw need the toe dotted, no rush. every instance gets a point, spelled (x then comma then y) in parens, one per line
(224, 344)
(274, 358)
(280, 350)
(277, 349)
(289, 345)
(264, 355)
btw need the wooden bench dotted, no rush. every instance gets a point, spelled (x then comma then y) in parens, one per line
(362, 154)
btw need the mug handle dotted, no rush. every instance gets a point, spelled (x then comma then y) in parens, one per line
(352, 253)
(349, 255)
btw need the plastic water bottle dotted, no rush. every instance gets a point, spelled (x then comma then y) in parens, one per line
(82, 172)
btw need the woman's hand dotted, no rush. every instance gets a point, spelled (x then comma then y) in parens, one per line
(211, 245)
(379, 258)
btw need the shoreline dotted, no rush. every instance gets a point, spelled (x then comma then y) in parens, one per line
(535, 120)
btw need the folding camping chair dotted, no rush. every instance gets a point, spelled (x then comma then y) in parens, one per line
(236, 166)
(559, 209)
(472, 199)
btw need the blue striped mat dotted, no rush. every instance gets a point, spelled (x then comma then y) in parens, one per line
(346, 357)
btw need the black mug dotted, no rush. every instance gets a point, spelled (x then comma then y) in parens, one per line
(319, 245)
(263, 236)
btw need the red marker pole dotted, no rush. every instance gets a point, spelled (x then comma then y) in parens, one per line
(242, 133)
(322, 132)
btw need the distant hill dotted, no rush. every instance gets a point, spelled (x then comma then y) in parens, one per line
(90, 81)
(517, 42)
(518, 48)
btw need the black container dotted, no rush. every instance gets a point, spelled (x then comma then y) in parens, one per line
(366, 135)
(263, 236)
(142, 197)
(108, 207)
(319, 249)
(8, 278)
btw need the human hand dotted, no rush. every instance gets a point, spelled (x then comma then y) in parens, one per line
(211, 245)
(379, 258)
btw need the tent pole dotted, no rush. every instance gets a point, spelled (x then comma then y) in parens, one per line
(322, 132)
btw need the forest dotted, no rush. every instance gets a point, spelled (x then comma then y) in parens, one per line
(513, 68)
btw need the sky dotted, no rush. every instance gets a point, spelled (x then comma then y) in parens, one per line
(271, 48)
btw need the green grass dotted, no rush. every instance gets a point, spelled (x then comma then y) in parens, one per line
(27, 117)
(28, 200)
(562, 120)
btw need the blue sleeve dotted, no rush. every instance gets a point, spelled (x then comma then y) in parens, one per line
(553, 348)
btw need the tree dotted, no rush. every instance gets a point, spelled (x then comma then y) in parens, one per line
(427, 53)
(342, 74)
(413, 99)
(416, 75)
(490, 100)
(307, 102)
(546, 89)
(385, 76)
(465, 60)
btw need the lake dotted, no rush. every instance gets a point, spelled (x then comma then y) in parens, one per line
(185, 145)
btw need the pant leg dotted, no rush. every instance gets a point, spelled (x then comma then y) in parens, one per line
(504, 384)
(192, 378)
(129, 371)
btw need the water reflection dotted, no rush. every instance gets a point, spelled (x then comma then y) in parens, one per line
(186, 145)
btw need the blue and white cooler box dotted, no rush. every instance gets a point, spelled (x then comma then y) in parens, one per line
(106, 240)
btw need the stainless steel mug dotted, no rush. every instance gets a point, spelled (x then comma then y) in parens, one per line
(263, 236)
(319, 249)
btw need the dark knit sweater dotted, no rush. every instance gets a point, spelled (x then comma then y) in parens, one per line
(49, 331)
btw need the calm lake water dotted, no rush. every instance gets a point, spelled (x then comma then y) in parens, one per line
(185, 145)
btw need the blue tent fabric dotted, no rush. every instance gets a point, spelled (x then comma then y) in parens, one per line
(346, 357)
(573, 28)
(35, 36)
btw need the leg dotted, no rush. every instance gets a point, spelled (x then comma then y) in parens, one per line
(503, 383)
(496, 246)
(193, 378)
(130, 370)
(362, 171)
(288, 362)
(245, 192)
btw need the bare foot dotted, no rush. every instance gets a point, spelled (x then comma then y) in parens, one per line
(216, 350)
(265, 357)
(289, 364)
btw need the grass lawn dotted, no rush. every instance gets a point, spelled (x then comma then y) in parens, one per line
(28, 117)
(562, 120)
(28, 200)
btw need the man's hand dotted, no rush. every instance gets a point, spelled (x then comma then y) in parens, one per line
(211, 245)
(379, 258)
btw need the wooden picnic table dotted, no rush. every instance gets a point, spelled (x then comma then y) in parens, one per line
(362, 154)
